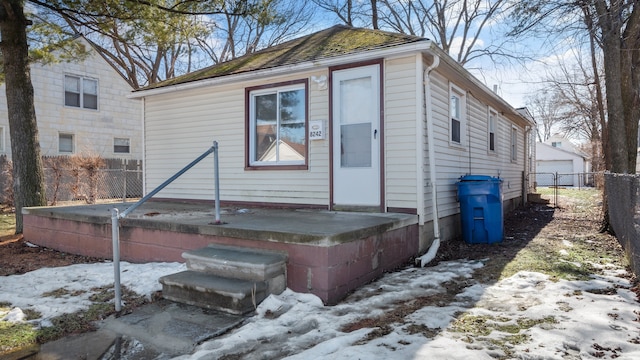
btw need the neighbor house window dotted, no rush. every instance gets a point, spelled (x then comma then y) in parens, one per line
(277, 125)
(65, 143)
(514, 144)
(556, 144)
(456, 113)
(121, 145)
(80, 92)
(492, 128)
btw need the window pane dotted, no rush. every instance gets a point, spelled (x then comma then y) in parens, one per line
(89, 86)
(72, 91)
(514, 139)
(292, 126)
(90, 102)
(71, 99)
(356, 91)
(72, 84)
(121, 145)
(492, 144)
(65, 143)
(266, 125)
(455, 130)
(455, 107)
(355, 145)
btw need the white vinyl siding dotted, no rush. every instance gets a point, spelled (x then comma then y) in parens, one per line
(217, 113)
(94, 130)
(400, 132)
(452, 162)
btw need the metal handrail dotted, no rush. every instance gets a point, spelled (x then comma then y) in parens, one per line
(116, 215)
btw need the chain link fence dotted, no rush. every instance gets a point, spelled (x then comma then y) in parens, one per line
(566, 180)
(623, 200)
(113, 179)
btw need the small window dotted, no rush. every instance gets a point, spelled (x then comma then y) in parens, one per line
(556, 144)
(65, 143)
(80, 92)
(514, 144)
(121, 145)
(2, 139)
(277, 123)
(456, 113)
(492, 128)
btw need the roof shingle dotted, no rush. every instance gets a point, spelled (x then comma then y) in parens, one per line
(334, 41)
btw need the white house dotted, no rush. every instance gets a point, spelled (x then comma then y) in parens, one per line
(359, 120)
(559, 156)
(81, 106)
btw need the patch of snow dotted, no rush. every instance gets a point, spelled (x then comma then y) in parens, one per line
(584, 318)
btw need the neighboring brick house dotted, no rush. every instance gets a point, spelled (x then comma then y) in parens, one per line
(81, 107)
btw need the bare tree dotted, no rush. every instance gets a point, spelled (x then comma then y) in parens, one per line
(455, 25)
(614, 26)
(546, 110)
(275, 21)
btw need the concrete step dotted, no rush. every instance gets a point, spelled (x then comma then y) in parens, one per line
(214, 292)
(240, 263)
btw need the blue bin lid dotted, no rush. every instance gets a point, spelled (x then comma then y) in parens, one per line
(477, 178)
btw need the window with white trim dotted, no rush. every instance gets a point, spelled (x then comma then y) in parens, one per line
(65, 143)
(80, 92)
(456, 114)
(492, 128)
(2, 139)
(514, 144)
(121, 145)
(277, 124)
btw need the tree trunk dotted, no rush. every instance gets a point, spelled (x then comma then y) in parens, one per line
(630, 65)
(28, 175)
(374, 14)
(609, 21)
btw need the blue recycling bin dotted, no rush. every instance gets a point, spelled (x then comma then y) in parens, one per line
(481, 210)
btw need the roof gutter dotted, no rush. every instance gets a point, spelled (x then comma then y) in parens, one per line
(394, 51)
(435, 245)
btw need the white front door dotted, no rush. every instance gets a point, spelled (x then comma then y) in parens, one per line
(356, 136)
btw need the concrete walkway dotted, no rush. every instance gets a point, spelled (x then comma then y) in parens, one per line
(160, 330)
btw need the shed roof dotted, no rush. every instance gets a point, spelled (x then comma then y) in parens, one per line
(334, 41)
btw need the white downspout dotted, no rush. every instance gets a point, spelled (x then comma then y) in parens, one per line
(435, 245)
(420, 107)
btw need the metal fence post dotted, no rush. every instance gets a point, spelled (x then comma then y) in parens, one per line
(216, 176)
(115, 239)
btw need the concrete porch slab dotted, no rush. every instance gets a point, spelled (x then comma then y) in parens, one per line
(329, 253)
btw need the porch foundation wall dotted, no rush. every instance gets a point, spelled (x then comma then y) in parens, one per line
(327, 271)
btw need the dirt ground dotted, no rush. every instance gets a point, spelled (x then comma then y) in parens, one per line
(18, 257)
(522, 226)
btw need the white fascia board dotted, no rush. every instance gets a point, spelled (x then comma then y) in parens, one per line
(390, 52)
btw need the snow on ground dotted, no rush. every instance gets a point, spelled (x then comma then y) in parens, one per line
(552, 320)
(584, 319)
(29, 291)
